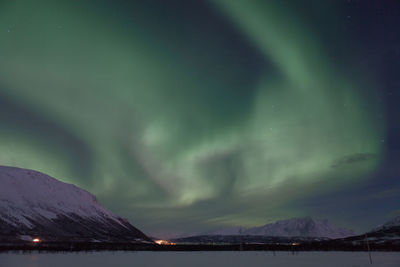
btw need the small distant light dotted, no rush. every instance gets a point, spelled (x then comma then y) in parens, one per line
(295, 244)
(36, 240)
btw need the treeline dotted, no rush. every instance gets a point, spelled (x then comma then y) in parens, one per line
(102, 246)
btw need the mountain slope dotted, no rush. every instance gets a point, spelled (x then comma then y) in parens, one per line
(395, 222)
(297, 227)
(387, 236)
(37, 205)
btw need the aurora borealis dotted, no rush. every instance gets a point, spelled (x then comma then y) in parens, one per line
(192, 115)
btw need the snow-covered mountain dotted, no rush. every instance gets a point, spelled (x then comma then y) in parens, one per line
(297, 227)
(395, 222)
(387, 236)
(33, 204)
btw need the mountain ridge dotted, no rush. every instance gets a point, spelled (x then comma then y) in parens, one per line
(295, 227)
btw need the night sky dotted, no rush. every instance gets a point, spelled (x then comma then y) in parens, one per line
(188, 116)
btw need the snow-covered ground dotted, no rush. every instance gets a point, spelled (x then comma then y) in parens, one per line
(194, 259)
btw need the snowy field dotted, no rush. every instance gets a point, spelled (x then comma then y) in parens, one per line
(194, 259)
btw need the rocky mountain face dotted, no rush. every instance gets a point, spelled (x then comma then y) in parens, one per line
(35, 205)
(297, 227)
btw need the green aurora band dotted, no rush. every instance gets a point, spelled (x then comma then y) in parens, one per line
(168, 128)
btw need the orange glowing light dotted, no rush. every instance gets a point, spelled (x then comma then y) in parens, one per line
(36, 240)
(164, 242)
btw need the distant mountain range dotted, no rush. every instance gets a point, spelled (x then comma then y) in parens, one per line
(301, 230)
(249, 239)
(297, 227)
(35, 205)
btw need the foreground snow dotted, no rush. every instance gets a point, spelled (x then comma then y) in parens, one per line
(193, 259)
